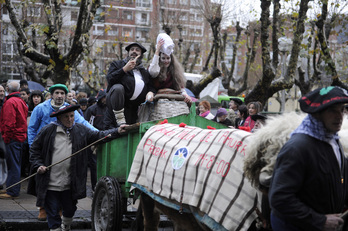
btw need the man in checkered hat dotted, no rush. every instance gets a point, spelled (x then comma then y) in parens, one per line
(309, 184)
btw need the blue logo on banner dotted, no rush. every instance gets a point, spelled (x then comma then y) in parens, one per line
(179, 158)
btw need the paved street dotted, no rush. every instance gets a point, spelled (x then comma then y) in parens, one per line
(21, 214)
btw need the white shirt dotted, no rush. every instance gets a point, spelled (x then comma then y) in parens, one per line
(139, 84)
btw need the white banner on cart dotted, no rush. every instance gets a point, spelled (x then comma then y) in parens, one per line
(198, 167)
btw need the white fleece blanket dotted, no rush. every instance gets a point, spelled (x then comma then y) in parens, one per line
(198, 167)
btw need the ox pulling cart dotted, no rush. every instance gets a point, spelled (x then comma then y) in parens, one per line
(180, 164)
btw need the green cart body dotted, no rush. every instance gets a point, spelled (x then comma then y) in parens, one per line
(114, 161)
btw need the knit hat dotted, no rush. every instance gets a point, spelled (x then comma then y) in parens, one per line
(65, 109)
(58, 86)
(322, 98)
(220, 112)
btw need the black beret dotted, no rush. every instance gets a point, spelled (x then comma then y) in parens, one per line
(237, 100)
(65, 109)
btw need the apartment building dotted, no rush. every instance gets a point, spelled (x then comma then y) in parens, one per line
(117, 23)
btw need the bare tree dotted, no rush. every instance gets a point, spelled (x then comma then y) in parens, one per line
(54, 58)
(269, 83)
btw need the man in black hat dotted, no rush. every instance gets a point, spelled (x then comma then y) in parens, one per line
(233, 109)
(260, 120)
(129, 85)
(65, 183)
(309, 183)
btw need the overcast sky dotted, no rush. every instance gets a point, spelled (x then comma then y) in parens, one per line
(250, 10)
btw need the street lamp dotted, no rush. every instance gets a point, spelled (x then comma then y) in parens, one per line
(284, 45)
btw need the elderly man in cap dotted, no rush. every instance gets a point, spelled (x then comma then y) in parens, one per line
(233, 106)
(63, 184)
(309, 185)
(129, 85)
(41, 117)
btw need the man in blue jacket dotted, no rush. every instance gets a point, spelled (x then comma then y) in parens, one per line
(41, 113)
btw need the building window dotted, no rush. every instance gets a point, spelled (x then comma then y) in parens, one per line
(171, 1)
(6, 48)
(127, 15)
(183, 17)
(199, 18)
(183, 2)
(198, 32)
(5, 31)
(7, 58)
(144, 18)
(143, 3)
(99, 17)
(74, 15)
(194, 2)
(171, 15)
(33, 12)
(113, 32)
(192, 17)
(127, 32)
(142, 35)
(184, 32)
(4, 10)
(98, 30)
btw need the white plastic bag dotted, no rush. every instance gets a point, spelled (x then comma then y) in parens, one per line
(168, 46)
(3, 171)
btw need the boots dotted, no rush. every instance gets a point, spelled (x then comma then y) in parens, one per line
(120, 118)
(66, 223)
(42, 214)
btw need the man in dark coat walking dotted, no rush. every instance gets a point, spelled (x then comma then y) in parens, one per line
(63, 184)
(309, 185)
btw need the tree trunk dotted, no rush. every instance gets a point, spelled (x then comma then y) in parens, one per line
(325, 49)
(197, 88)
(197, 52)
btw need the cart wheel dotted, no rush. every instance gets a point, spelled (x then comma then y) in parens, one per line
(107, 205)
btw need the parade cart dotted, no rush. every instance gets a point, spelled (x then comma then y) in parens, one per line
(114, 161)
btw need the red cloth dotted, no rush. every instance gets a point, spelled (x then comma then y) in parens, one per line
(249, 122)
(13, 118)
